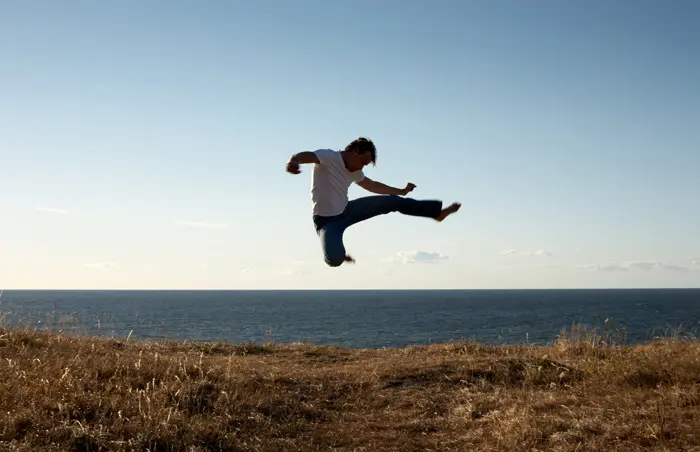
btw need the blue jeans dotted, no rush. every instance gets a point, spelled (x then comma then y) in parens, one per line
(331, 229)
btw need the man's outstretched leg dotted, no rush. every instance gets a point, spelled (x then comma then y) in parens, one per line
(362, 209)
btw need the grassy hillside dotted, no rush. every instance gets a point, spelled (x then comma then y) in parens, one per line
(61, 392)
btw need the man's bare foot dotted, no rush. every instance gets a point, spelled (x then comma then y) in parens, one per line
(449, 210)
(349, 259)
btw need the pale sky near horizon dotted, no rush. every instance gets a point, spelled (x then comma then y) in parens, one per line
(143, 144)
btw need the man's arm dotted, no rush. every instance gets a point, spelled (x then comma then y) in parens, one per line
(300, 158)
(383, 189)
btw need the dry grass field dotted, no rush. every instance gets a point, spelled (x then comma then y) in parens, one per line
(71, 393)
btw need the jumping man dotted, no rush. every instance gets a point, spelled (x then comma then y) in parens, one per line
(333, 172)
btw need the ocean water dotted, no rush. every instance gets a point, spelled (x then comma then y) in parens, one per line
(357, 319)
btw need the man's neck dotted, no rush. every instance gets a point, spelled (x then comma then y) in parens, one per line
(344, 156)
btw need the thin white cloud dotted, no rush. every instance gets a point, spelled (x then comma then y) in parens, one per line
(646, 266)
(546, 266)
(674, 268)
(532, 266)
(420, 257)
(102, 265)
(695, 261)
(536, 253)
(53, 210)
(201, 224)
(612, 268)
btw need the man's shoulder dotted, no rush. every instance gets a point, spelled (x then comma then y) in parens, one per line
(326, 155)
(326, 151)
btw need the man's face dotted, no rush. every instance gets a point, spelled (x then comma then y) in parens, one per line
(359, 161)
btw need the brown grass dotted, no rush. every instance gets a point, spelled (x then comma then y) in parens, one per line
(68, 393)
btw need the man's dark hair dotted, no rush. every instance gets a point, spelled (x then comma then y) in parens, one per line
(363, 145)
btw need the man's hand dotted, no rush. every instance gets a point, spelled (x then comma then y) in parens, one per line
(300, 158)
(293, 167)
(409, 188)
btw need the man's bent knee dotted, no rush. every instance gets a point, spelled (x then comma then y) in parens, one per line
(334, 261)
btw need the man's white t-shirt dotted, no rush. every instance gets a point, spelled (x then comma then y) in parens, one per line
(330, 181)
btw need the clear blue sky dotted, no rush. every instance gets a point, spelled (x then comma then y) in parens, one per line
(143, 143)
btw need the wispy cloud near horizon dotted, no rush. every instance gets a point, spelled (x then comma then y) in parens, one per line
(646, 266)
(418, 257)
(53, 210)
(536, 253)
(675, 268)
(612, 267)
(525, 266)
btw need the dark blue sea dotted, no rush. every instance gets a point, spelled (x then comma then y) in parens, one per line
(358, 319)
